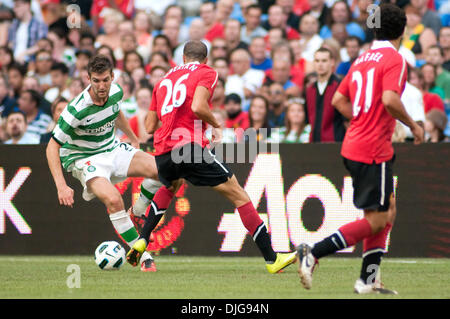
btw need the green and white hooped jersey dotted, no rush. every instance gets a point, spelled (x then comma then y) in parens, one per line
(85, 129)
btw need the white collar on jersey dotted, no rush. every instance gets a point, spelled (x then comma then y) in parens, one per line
(193, 62)
(379, 44)
(87, 96)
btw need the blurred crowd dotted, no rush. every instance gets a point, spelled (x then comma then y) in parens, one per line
(279, 62)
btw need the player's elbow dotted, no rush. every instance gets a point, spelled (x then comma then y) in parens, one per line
(335, 100)
(390, 99)
(52, 149)
(197, 109)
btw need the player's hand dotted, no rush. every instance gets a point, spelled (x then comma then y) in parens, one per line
(216, 135)
(418, 132)
(65, 196)
(135, 143)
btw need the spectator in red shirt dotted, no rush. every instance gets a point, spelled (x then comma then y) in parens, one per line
(143, 100)
(236, 117)
(214, 29)
(277, 18)
(100, 7)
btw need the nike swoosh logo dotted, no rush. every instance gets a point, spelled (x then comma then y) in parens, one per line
(306, 260)
(335, 242)
(87, 121)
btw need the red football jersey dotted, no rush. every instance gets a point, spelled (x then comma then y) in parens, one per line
(380, 69)
(172, 99)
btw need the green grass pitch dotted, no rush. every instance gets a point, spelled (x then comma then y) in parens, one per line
(181, 277)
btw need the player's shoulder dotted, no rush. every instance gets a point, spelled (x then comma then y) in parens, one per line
(206, 69)
(78, 103)
(116, 91)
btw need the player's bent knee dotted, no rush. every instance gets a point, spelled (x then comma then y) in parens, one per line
(377, 220)
(114, 203)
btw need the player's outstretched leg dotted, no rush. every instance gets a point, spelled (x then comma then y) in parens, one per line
(120, 219)
(158, 207)
(149, 187)
(348, 235)
(275, 262)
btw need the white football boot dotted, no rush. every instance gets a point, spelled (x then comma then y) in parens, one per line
(376, 288)
(306, 265)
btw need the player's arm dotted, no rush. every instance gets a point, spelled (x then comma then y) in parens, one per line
(393, 104)
(123, 125)
(200, 107)
(65, 193)
(343, 105)
(341, 99)
(151, 122)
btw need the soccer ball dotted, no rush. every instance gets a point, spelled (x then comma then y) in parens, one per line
(109, 255)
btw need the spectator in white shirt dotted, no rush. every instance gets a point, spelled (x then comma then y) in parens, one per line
(413, 101)
(16, 129)
(245, 81)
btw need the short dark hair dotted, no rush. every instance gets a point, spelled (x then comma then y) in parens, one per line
(221, 59)
(161, 54)
(253, 6)
(59, 66)
(60, 32)
(283, 32)
(323, 49)
(159, 67)
(353, 38)
(48, 41)
(35, 96)
(127, 54)
(17, 111)
(99, 64)
(195, 50)
(19, 67)
(87, 35)
(162, 36)
(233, 97)
(392, 22)
(221, 80)
(438, 47)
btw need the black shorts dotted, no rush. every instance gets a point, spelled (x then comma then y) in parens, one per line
(373, 184)
(193, 163)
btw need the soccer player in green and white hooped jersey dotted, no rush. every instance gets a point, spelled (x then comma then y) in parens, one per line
(85, 144)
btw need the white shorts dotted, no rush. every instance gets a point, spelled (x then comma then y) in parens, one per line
(111, 165)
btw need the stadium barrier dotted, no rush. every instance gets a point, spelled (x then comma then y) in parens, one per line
(303, 193)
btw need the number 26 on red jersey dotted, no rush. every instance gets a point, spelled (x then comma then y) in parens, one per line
(176, 93)
(357, 77)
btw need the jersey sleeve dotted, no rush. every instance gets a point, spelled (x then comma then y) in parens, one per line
(343, 86)
(65, 126)
(394, 74)
(208, 79)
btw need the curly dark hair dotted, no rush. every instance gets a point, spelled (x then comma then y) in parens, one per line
(99, 64)
(392, 22)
